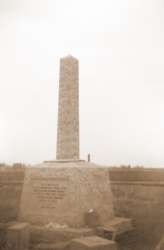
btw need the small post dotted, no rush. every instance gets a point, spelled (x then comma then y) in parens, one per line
(89, 157)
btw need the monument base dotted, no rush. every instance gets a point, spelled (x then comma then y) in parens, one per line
(63, 193)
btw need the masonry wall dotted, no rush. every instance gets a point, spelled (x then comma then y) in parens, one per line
(139, 194)
(11, 181)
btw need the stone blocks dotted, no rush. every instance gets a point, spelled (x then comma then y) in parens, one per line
(115, 227)
(92, 243)
(54, 236)
(17, 237)
(47, 246)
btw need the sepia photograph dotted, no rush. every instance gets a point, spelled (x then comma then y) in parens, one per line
(81, 125)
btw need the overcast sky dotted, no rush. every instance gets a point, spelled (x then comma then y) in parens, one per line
(120, 47)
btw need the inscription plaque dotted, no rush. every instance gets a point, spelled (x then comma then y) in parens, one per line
(49, 191)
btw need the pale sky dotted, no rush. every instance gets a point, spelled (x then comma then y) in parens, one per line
(120, 47)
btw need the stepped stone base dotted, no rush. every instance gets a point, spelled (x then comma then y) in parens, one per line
(43, 238)
(53, 236)
(58, 246)
(92, 243)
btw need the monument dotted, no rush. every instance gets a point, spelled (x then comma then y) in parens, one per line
(67, 192)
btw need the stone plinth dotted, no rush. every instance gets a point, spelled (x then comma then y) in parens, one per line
(17, 237)
(62, 193)
(92, 243)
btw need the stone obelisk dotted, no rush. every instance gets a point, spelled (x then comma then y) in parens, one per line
(68, 110)
(67, 190)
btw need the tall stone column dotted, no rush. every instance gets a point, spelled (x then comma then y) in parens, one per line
(68, 110)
